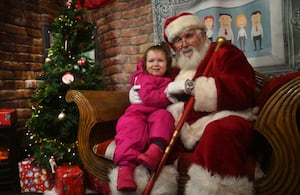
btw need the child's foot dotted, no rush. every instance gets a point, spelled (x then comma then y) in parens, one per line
(126, 179)
(151, 157)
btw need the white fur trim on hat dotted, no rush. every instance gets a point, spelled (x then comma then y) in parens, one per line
(181, 24)
(203, 182)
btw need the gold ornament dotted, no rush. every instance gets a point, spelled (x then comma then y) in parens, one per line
(48, 60)
(62, 116)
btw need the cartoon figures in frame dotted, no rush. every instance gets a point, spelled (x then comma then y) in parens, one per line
(241, 21)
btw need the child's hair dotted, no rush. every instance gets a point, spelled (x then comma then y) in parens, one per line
(162, 46)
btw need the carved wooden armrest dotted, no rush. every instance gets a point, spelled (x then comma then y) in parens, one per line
(96, 107)
(277, 122)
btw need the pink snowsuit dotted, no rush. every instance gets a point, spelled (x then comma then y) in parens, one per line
(145, 122)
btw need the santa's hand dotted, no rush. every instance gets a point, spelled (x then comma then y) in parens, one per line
(172, 99)
(173, 89)
(176, 88)
(134, 97)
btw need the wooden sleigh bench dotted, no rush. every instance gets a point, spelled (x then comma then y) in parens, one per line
(277, 124)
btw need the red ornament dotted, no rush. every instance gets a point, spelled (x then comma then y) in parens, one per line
(81, 62)
(69, 4)
(67, 78)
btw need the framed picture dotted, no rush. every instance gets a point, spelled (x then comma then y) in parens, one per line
(263, 29)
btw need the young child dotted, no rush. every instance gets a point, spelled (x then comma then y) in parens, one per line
(144, 130)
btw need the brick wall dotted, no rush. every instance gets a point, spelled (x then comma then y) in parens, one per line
(124, 30)
(21, 51)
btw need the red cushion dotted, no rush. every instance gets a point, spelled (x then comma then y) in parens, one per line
(105, 149)
(273, 85)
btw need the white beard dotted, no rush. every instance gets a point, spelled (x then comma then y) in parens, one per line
(191, 62)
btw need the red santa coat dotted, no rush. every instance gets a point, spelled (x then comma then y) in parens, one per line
(220, 126)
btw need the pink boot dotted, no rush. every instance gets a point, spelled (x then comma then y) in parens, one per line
(151, 157)
(126, 179)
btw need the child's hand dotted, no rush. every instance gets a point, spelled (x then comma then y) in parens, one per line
(134, 97)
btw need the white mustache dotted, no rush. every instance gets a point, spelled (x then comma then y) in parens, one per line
(187, 50)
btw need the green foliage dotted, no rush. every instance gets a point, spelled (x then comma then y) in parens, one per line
(52, 128)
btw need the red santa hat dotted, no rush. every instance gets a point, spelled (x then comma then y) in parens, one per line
(177, 24)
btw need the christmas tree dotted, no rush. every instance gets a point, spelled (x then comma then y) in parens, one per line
(52, 128)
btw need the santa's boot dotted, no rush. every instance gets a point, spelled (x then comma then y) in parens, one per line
(151, 157)
(125, 180)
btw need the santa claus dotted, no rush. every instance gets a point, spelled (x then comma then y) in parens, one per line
(220, 126)
(219, 129)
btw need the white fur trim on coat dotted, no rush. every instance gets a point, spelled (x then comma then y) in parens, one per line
(181, 24)
(166, 183)
(202, 182)
(190, 134)
(205, 94)
(176, 110)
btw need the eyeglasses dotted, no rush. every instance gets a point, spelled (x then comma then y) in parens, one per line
(185, 37)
